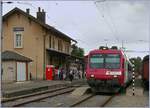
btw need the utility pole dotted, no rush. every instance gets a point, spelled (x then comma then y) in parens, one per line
(122, 43)
(123, 48)
(1, 41)
(1, 28)
(1, 37)
(106, 41)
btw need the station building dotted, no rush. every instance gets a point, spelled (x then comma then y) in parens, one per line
(32, 38)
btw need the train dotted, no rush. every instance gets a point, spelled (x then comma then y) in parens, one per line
(145, 71)
(107, 67)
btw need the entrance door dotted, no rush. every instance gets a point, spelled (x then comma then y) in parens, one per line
(21, 71)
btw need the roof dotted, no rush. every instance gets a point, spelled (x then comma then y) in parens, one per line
(104, 51)
(10, 55)
(53, 51)
(37, 21)
(146, 58)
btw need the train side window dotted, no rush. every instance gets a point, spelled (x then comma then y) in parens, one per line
(129, 67)
(123, 63)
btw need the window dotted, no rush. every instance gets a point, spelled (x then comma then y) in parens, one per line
(97, 61)
(112, 61)
(49, 41)
(67, 49)
(53, 43)
(18, 40)
(107, 61)
(60, 45)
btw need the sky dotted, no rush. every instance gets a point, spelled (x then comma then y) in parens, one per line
(97, 23)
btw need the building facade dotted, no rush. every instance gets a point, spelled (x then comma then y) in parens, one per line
(14, 67)
(32, 37)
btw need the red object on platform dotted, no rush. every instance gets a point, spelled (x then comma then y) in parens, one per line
(49, 72)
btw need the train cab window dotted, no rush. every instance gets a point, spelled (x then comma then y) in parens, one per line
(97, 61)
(112, 61)
(129, 67)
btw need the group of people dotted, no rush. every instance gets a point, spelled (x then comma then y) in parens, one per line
(60, 73)
(63, 74)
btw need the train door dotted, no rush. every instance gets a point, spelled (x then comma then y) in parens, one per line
(125, 71)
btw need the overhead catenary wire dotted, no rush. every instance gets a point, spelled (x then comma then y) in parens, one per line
(103, 16)
(35, 7)
(114, 32)
(114, 29)
(136, 51)
(112, 20)
(26, 3)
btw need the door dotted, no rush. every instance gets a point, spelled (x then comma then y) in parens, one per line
(21, 71)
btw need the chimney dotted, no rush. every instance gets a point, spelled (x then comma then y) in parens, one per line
(41, 15)
(28, 11)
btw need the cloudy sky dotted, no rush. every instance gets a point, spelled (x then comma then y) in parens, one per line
(97, 23)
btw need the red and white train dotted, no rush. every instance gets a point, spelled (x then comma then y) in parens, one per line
(107, 67)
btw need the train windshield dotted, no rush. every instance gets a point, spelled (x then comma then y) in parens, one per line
(97, 61)
(108, 61)
(112, 61)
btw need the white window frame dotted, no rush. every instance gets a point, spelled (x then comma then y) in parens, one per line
(21, 39)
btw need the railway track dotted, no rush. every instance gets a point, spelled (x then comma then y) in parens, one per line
(19, 101)
(106, 99)
(85, 98)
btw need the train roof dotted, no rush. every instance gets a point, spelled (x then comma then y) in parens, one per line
(146, 58)
(105, 51)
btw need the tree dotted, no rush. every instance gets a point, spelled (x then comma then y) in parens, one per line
(77, 51)
(138, 64)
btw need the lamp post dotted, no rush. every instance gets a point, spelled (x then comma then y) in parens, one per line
(1, 28)
(1, 37)
(106, 40)
(1, 17)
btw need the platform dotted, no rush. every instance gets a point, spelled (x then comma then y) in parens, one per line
(80, 91)
(138, 88)
(27, 87)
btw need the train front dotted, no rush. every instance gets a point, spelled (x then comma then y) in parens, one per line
(104, 68)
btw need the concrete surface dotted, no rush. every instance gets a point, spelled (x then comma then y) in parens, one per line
(138, 88)
(138, 91)
(79, 91)
(140, 99)
(130, 101)
(22, 88)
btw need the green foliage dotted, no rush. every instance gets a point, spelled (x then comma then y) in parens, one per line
(138, 64)
(77, 51)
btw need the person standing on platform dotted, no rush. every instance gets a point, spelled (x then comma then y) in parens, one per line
(71, 75)
(59, 73)
(64, 74)
(80, 73)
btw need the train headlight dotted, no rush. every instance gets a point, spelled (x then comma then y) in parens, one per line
(107, 73)
(92, 76)
(115, 76)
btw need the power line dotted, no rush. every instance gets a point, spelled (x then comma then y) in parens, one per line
(112, 20)
(135, 51)
(102, 14)
(30, 4)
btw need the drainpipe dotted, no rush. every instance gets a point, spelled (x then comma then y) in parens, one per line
(44, 61)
